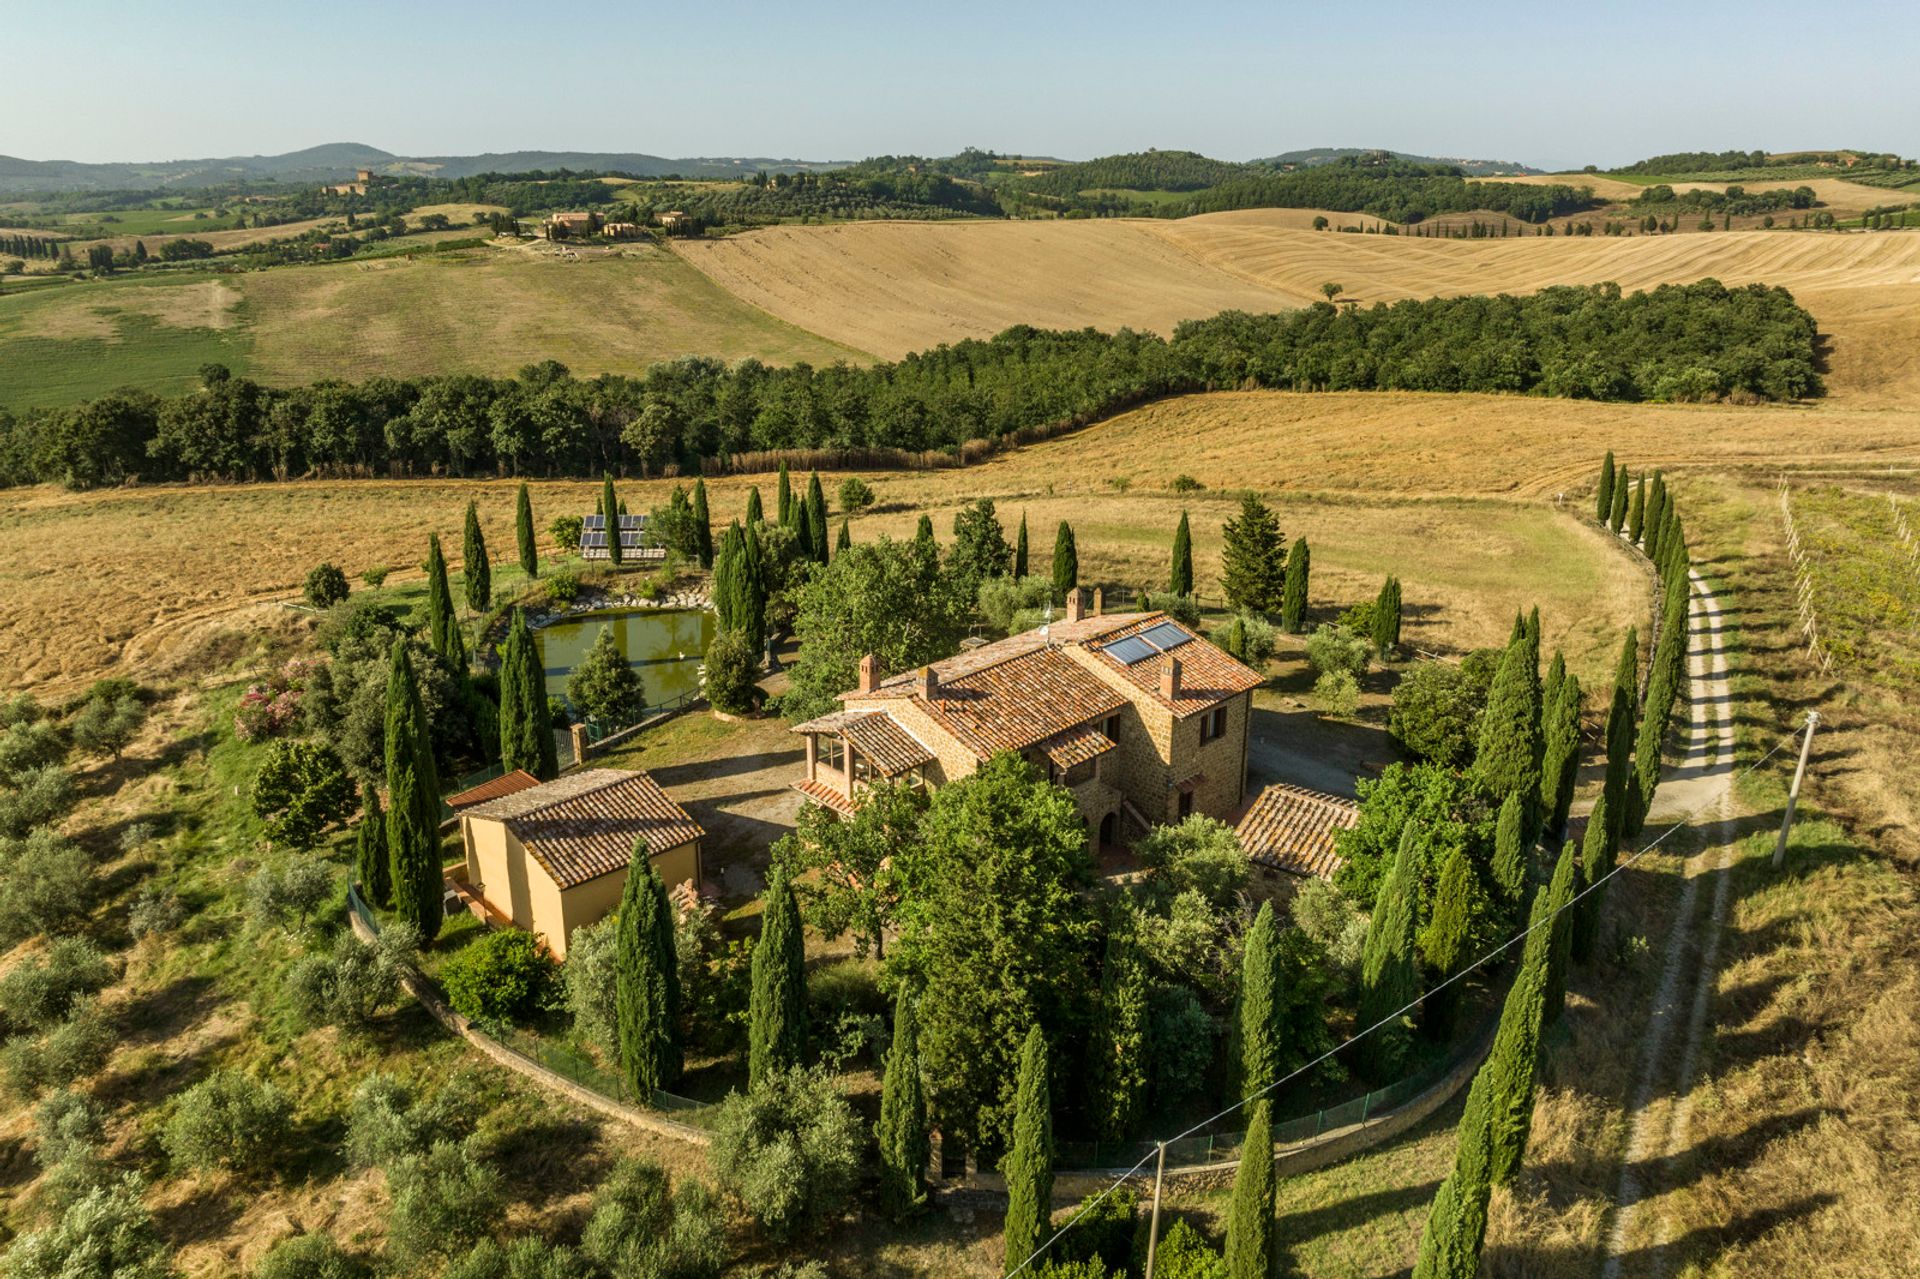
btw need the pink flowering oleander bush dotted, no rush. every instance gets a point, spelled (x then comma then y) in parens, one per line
(270, 709)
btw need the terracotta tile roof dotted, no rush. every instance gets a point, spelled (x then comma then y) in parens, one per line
(1208, 674)
(506, 784)
(1076, 746)
(585, 824)
(826, 796)
(1006, 696)
(879, 738)
(1291, 828)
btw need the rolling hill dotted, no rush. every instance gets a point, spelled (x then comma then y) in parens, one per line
(1327, 155)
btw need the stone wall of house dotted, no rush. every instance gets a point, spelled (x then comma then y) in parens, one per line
(1223, 760)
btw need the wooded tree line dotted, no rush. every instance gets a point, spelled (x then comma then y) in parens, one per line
(1139, 171)
(1396, 190)
(1680, 342)
(1736, 199)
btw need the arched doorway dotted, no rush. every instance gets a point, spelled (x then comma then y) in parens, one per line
(1107, 824)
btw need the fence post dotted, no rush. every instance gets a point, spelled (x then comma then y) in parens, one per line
(1793, 792)
(1153, 1222)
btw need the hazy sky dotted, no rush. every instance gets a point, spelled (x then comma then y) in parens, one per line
(1548, 83)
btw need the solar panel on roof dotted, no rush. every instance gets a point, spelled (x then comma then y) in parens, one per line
(1166, 635)
(1131, 649)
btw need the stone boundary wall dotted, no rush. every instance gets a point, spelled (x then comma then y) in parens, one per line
(647, 1121)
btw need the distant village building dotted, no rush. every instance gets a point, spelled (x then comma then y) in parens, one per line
(362, 179)
(621, 230)
(1141, 719)
(551, 857)
(562, 225)
(672, 218)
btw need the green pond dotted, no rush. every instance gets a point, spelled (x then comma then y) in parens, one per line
(666, 645)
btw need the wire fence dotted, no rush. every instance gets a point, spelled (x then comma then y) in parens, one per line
(1206, 1148)
(570, 1063)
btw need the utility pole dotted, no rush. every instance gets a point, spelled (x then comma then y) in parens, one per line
(1153, 1223)
(1793, 792)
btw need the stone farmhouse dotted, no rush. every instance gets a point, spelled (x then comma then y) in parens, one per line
(1144, 721)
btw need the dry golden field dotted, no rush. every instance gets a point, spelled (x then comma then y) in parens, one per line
(1837, 196)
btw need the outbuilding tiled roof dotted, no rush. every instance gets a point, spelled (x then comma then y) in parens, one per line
(505, 784)
(585, 824)
(881, 741)
(1291, 828)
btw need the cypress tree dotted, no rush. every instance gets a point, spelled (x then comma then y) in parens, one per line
(1560, 746)
(1180, 578)
(845, 540)
(702, 524)
(611, 509)
(1020, 549)
(370, 850)
(803, 530)
(1253, 1042)
(1389, 979)
(442, 626)
(1120, 1036)
(1532, 632)
(1626, 681)
(1293, 600)
(1597, 852)
(776, 1019)
(1250, 1216)
(816, 518)
(1566, 873)
(413, 802)
(1617, 516)
(646, 980)
(1667, 669)
(1066, 561)
(756, 513)
(1603, 496)
(1507, 757)
(1656, 515)
(905, 1144)
(523, 532)
(476, 570)
(1386, 616)
(1510, 850)
(1028, 1167)
(923, 532)
(526, 725)
(1637, 513)
(726, 568)
(1445, 939)
(1516, 1047)
(783, 496)
(1457, 1220)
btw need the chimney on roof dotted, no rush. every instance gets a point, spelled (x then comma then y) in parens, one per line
(929, 683)
(1099, 600)
(869, 673)
(1170, 680)
(1073, 604)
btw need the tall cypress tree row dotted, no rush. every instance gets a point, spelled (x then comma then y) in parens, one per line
(1617, 516)
(476, 570)
(816, 518)
(783, 496)
(702, 524)
(1180, 578)
(1656, 515)
(370, 862)
(1637, 513)
(1020, 549)
(1120, 1036)
(646, 983)
(1667, 672)
(1254, 1044)
(1457, 1220)
(1566, 875)
(1389, 976)
(756, 513)
(1510, 850)
(1516, 1046)
(442, 626)
(1597, 852)
(611, 506)
(413, 802)
(776, 1015)
(905, 1143)
(1603, 496)
(1066, 561)
(1444, 941)
(1028, 1167)
(523, 532)
(1507, 756)
(1250, 1215)
(1293, 598)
